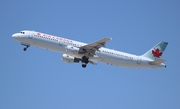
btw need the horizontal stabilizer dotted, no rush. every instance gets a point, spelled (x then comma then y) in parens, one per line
(156, 62)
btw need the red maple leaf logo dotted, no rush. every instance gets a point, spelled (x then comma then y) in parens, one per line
(156, 53)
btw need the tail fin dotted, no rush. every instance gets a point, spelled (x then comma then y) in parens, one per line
(156, 52)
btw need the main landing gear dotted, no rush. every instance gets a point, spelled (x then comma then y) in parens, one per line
(25, 48)
(84, 61)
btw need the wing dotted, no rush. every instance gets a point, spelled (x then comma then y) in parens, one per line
(92, 47)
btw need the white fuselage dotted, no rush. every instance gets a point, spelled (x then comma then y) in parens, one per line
(59, 44)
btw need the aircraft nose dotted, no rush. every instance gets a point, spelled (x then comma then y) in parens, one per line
(15, 36)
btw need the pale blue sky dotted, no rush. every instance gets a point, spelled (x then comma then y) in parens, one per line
(38, 79)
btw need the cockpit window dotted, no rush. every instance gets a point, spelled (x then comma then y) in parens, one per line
(22, 32)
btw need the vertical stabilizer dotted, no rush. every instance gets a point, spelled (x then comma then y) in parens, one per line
(156, 52)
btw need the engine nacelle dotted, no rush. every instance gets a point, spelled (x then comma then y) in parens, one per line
(69, 59)
(72, 50)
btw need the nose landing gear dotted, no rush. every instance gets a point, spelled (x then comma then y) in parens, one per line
(25, 48)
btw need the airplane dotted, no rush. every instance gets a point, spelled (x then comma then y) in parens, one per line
(75, 52)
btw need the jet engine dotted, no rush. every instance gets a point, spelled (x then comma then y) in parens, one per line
(69, 59)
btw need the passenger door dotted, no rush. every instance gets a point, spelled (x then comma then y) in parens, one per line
(139, 60)
(60, 43)
(31, 34)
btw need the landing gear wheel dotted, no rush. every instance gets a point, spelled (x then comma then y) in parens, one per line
(84, 61)
(25, 49)
(84, 65)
